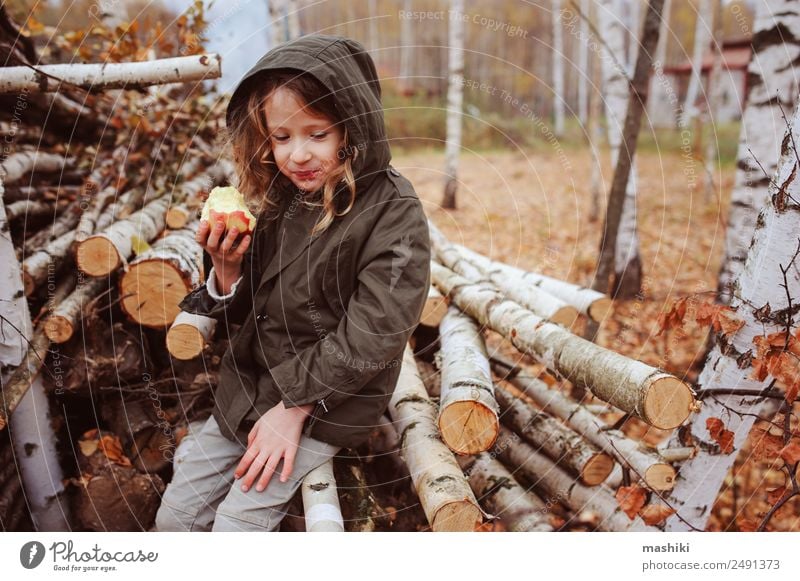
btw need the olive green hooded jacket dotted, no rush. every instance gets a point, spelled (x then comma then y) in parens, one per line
(325, 319)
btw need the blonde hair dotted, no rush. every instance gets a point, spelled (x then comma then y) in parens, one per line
(260, 181)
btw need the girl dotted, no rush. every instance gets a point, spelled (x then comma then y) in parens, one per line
(326, 291)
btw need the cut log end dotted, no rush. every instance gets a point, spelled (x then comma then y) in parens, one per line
(28, 283)
(177, 218)
(97, 256)
(152, 291)
(660, 477)
(667, 403)
(58, 329)
(565, 316)
(468, 427)
(185, 342)
(599, 309)
(460, 516)
(434, 311)
(597, 469)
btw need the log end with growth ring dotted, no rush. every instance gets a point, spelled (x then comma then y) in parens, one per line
(151, 292)
(58, 329)
(97, 256)
(667, 402)
(459, 516)
(184, 342)
(177, 218)
(660, 477)
(599, 309)
(565, 316)
(468, 427)
(28, 283)
(597, 469)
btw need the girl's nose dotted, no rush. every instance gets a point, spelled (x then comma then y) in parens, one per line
(301, 154)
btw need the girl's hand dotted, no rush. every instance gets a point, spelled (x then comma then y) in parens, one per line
(226, 258)
(275, 435)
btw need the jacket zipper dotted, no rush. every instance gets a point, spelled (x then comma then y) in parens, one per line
(320, 405)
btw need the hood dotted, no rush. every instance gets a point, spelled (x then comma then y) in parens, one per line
(345, 67)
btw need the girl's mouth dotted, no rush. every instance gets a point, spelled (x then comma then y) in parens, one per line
(306, 175)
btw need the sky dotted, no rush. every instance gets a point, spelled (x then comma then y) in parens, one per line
(238, 30)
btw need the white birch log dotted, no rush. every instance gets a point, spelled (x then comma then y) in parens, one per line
(29, 209)
(188, 200)
(48, 78)
(157, 280)
(654, 396)
(555, 485)
(616, 87)
(32, 432)
(586, 301)
(445, 494)
(434, 309)
(321, 501)
(455, 101)
(91, 215)
(772, 88)
(18, 164)
(501, 495)
(66, 221)
(61, 322)
(654, 471)
(105, 251)
(563, 445)
(189, 334)
(537, 300)
(467, 418)
(760, 285)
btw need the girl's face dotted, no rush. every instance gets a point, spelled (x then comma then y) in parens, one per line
(305, 144)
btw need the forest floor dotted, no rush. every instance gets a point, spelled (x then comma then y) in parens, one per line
(533, 211)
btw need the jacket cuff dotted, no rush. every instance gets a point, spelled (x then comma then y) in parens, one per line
(211, 287)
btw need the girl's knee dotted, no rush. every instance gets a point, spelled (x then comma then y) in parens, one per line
(171, 519)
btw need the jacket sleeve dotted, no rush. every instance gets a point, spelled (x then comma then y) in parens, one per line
(233, 308)
(383, 311)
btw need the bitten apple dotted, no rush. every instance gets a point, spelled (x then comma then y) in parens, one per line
(227, 204)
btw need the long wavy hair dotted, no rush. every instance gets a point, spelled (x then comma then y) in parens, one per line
(247, 138)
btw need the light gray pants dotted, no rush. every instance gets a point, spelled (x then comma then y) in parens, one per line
(204, 495)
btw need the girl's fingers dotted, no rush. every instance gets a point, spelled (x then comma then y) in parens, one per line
(227, 244)
(288, 463)
(269, 470)
(245, 462)
(216, 233)
(202, 232)
(242, 248)
(254, 471)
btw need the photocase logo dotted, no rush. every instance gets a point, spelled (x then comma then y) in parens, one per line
(402, 253)
(31, 554)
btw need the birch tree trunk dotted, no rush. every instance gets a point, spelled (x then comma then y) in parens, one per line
(584, 72)
(714, 96)
(619, 232)
(702, 36)
(772, 85)
(404, 80)
(558, 69)
(772, 262)
(455, 98)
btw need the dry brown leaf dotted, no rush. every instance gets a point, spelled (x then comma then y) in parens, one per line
(112, 448)
(775, 494)
(791, 453)
(765, 445)
(631, 499)
(654, 514)
(720, 435)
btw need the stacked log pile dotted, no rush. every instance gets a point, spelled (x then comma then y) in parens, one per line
(102, 228)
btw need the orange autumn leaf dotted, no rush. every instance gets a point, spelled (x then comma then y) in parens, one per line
(631, 499)
(654, 514)
(775, 494)
(791, 453)
(765, 445)
(674, 317)
(721, 318)
(112, 448)
(720, 435)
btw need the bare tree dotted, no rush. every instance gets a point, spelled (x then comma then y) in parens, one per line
(558, 70)
(455, 99)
